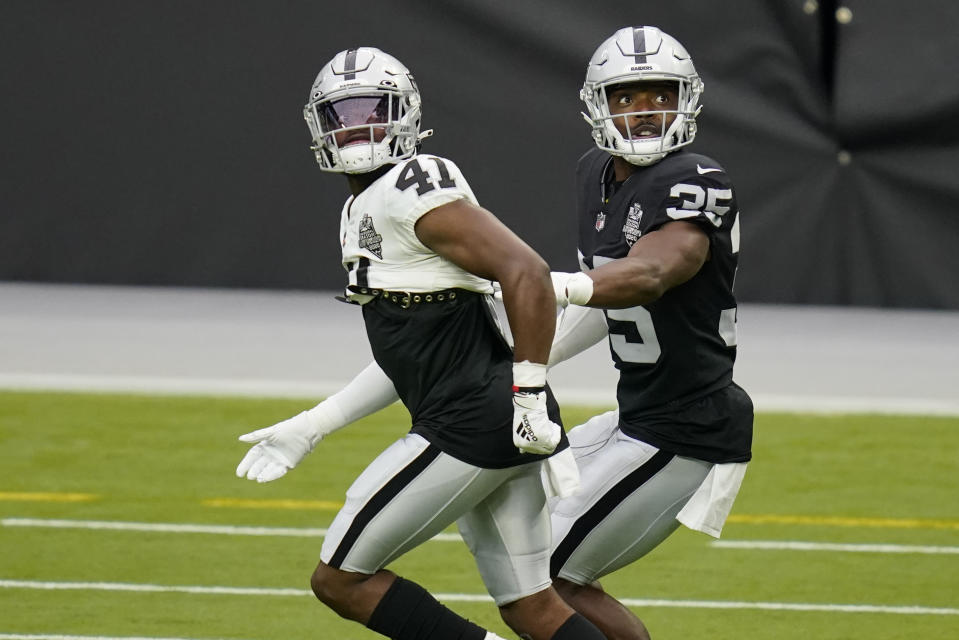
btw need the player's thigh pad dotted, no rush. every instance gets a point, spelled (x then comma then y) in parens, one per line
(408, 494)
(630, 493)
(593, 434)
(508, 534)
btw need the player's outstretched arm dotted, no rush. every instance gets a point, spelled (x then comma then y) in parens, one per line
(577, 329)
(280, 447)
(659, 261)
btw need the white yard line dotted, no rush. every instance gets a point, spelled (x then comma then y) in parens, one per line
(792, 606)
(449, 597)
(149, 588)
(312, 532)
(784, 545)
(467, 597)
(165, 527)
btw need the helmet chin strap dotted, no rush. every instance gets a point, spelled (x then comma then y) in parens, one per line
(643, 160)
(362, 158)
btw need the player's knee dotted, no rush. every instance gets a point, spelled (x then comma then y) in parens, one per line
(542, 610)
(577, 595)
(327, 586)
(319, 584)
(567, 590)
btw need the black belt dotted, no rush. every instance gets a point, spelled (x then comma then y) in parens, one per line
(406, 299)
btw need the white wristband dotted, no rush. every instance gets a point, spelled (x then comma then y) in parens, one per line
(579, 289)
(529, 374)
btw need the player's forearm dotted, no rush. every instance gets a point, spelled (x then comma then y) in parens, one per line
(625, 283)
(367, 393)
(531, 310)
(577, 329)
(659, 261)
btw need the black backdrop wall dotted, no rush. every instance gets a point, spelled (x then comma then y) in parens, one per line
(162, 142)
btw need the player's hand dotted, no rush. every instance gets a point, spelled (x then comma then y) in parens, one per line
(560, 278)
(571, 288)
(278, 448)
(533, 431)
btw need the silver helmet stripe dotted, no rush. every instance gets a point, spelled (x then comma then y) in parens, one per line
(639, 45)
(350, 65)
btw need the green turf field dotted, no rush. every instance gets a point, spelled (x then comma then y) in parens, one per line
(874, 499)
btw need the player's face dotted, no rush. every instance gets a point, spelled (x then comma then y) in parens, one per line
(349, 116)
(636, 97)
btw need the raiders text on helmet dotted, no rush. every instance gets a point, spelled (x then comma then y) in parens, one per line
(363, 112)
(636, 54)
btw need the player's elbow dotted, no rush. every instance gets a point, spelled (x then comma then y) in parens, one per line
(649, 286)
(528, 266)
(536, 270)
(537, 267)
(525, 272)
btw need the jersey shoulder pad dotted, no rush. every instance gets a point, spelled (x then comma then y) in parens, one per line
(423, 183)
(429, 175)
(693, 167)
(591, 161)
(696, 188)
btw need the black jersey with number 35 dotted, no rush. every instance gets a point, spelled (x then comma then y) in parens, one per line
(675, 355)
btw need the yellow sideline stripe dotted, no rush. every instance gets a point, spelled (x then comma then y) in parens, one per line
(840, 521)
(253, 503)
(41, 496)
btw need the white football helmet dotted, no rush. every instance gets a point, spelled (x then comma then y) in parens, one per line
(636, 54)
(369, 100)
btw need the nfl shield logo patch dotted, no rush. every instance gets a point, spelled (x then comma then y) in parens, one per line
(600, 221)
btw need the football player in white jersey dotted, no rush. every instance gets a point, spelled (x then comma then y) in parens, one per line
(420, 254)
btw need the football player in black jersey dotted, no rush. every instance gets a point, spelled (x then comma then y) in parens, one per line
(420, 255)
(658, 245)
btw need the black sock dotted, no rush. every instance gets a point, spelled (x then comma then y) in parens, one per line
(577, 627)
(408, 612)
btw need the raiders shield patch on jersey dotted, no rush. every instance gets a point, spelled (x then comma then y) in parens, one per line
(369, 238)
(631, 228)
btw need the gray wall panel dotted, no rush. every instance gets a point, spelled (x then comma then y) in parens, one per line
(162, 143)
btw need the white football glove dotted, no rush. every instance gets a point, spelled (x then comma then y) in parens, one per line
(571, 288)
(278, 448)
(533, 431)
(281, 447)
